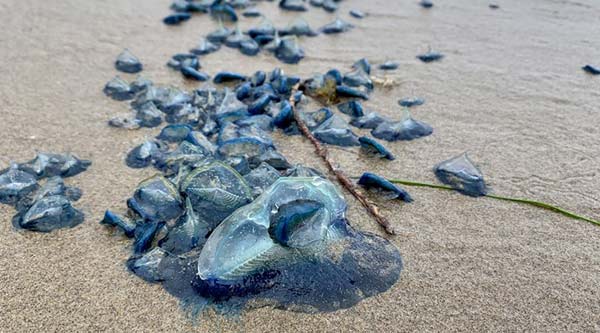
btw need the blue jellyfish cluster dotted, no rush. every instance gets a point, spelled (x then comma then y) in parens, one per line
(37, 191)
(283, 43)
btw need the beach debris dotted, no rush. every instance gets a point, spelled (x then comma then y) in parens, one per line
(460, 173)
(430, 56)
(405, 129)
(357, 13)
(389, 66)
(372, 147)
(128, 63)
(410, 102)
(391, 191)
(591, 69)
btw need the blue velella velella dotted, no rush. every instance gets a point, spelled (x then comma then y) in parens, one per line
(405, 129)
(128, 63)
(460, 173)
(372, 181)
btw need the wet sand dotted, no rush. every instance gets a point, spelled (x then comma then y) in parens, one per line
(510, 91)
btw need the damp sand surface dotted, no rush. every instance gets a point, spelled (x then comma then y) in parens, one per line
(510, 91)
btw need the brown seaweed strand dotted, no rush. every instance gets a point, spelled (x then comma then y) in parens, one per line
(339, 174)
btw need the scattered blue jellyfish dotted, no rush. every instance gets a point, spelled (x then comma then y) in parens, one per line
(430, 56)
(460, 173)
(222, 10)
(261, 178)
(128, 63)
(177, 18)
(316, 3)
(148, 115)
(175, 132)
(350, 92)
(219, 35)
(293, 5)
(591, 69)
(146, 265)
(494, 6)
(389, 66)
(357, 13)
(249, 47)
(194, 74)
(205, 47)
(337, 26)
(144, 154)
(114, 220)
(375, 148)
(156, 199)
(48, 165)
(49, 213)
(389, 190)
(118, 89)
(409, 102)
(405, 129)
(335, 131)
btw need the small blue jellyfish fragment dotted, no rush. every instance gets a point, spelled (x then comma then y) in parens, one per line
(124, 122)
(176, 18)
(226, 76)
(335, 131)
(335, 75)
(49, 165)
(252, 12)
(262, 121)
(114, 220)
(290, 216)
(258, 78)
(148, 115)
(274, 158)
(15, 184)
(235, 39)
(49, 213)
(223, 11)
(316, 3)
(289, 51)
(140, 84)
(426, 3)
(249, 47)
(330, 6)
(298, 27)
(591, 69)
(362, 64)
(188, 6)
(405, 129)
(358, 77)
(186, 114)
(143, 155)
(174, 133)
(156, 199)
(238, 163)
(205, 47)
(118, 89)
(389, 66)
(337, 26)
(180, 60)
(430, 56)
(243, 91)
(258, 106)
(345, 91)
(410, 102)
(261, 178)
(372, 181)
(293, 5)
(264, 28)
(357, 13)
(194, 74)
(373, 147)
(460, 173)
(144, 235)
(146, 266)
(371, 120)
(128, 63)
(219, 35)
(494, 6)
(285, 117)
(351, 108)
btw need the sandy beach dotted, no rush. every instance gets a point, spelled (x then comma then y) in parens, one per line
(510, 92)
